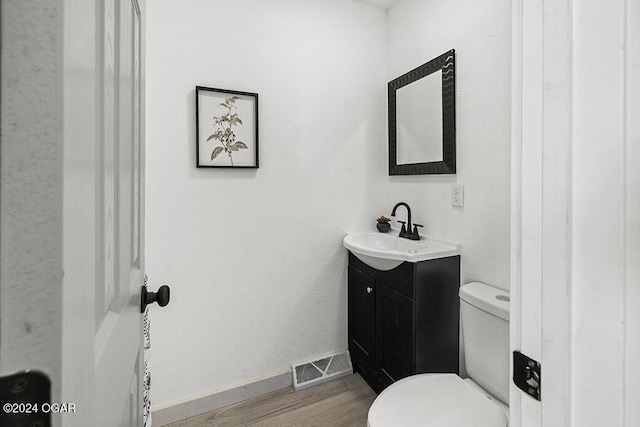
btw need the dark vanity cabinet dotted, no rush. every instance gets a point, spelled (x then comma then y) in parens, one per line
(403, 321)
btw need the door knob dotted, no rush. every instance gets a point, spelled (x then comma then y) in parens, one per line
(161, 297)
(369, 289)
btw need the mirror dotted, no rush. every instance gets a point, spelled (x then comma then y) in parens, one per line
(422, 119)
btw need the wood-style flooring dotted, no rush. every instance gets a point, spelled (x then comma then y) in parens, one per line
(341, 402)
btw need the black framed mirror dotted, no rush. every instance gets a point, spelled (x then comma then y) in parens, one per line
(422, 119)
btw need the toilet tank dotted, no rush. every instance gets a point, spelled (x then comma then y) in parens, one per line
(485, 333)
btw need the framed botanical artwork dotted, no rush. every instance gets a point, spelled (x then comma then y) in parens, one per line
(226, 128)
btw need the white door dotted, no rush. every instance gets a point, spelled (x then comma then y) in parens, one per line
(72, 309)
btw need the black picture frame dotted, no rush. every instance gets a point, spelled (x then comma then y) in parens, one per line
(226, 126)
(446, 63)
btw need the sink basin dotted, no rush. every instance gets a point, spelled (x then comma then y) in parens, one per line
(387, 251)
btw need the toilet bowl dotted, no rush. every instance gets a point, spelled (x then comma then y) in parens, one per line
(436, 400)
(446, 400)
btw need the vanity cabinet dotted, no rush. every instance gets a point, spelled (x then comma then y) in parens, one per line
(403, 321)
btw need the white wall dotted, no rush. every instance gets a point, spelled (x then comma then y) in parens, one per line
(632, 206)
(480, 32)
(254, 257)
(31, 188)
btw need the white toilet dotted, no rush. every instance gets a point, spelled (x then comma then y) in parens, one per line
(446, 400)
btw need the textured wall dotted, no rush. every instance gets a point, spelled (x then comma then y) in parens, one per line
(31, 209)
(254, 257)
(480, 32)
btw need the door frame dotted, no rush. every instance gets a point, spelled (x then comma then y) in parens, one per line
(558, 49)
(540, 205)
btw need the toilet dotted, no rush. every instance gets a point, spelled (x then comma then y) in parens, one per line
(446, 400)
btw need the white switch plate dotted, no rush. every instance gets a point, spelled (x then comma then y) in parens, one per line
(457, 195)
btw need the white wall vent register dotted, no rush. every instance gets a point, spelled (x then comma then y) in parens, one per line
(321, 370)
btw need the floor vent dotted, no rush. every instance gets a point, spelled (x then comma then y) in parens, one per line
(321, 370)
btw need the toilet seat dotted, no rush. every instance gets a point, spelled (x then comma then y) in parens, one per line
(434, 400)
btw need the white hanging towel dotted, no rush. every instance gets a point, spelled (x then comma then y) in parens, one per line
(146, 385)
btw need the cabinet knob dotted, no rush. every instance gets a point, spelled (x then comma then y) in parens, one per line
(369, 289)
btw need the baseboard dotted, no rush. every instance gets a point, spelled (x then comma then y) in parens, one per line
(199, 405)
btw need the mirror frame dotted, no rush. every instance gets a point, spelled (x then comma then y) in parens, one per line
(446, 63)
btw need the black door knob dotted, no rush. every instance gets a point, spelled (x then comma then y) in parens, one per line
(161, 297)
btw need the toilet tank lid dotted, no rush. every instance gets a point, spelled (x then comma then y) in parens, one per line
(487, 298)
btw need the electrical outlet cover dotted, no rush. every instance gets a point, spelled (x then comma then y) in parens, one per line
(457, 195)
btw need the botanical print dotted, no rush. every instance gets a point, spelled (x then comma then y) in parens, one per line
(226, 128)
(224, 132)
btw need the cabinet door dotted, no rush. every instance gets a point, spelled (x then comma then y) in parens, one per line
(395, 334)
(362, 312)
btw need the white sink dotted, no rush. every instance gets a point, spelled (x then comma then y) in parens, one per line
(387, 251)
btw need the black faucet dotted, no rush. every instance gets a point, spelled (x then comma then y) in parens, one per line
(407, 232)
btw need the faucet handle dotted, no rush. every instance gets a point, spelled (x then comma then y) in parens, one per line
(404, 227)
(415, 234)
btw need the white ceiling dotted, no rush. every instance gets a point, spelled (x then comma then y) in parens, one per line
(382, 4)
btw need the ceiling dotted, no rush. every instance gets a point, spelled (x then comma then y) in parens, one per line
(382, 4)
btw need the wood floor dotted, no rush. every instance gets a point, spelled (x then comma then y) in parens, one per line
(341, 402)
